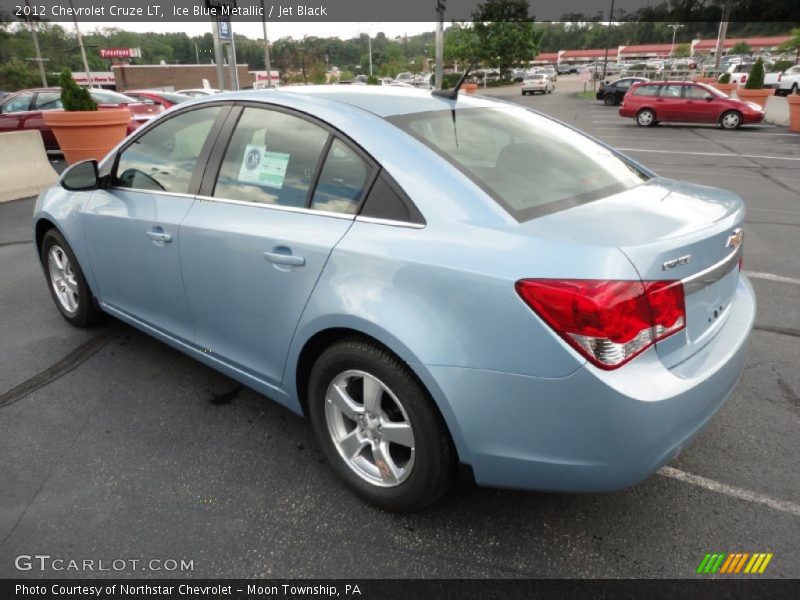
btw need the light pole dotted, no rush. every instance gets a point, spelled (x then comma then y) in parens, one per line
(267, 64)
(80, 44)
(369, 46)
(605, 58)
(674, 31)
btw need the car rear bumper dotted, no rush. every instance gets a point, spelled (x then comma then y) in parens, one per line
(593, 430)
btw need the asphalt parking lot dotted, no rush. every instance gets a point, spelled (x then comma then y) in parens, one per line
(113, 445)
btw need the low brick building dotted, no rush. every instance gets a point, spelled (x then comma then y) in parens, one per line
(177, 77)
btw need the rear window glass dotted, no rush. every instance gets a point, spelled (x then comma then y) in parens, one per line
(528, 163)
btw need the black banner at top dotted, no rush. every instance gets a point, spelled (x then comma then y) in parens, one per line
(176, 11)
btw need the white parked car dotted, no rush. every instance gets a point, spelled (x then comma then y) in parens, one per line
(539, 82)
(789, 81)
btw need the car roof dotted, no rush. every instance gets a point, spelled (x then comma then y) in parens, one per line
(383, 101)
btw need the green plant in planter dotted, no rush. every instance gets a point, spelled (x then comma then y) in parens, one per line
(755, 81)
(373, 80)
(73, 96)
(724, 78)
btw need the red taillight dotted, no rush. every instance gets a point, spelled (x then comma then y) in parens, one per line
(609, 322)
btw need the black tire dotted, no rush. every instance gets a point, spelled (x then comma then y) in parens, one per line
(731, 119)
(86, 313)
(434, 454)
(610, 99)
(645, 118)
(795, 89)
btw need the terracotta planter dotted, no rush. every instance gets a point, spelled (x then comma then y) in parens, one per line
(757, 96)
(87, 134)
(725, 88)
(470, 88)
(794, 112)
(711, 80)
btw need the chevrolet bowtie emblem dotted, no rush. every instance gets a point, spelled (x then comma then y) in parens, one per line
(735, 239)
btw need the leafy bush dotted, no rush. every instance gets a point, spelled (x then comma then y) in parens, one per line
(73, 96)
(449, 80)
(724, 78)
(755, 81)
(781, 65)
(373, 80)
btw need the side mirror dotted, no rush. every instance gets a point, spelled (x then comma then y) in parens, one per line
(709, 97)
(81, 177)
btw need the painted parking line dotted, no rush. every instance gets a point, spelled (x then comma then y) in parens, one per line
(633, 127)
(772, 277)
(729, 490)
(727, 154)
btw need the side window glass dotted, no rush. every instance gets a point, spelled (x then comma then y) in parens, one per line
(164, 158)
(671, 91)
(47, 101)
(19, 104)
(624, 84)
(696, 93)
(271, 159)
(646, 90)
(387, 201)
(341, 182)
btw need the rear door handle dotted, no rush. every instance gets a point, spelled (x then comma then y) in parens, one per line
(159, 236)
(279, 258)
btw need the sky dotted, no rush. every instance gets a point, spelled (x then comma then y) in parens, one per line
(274, 30)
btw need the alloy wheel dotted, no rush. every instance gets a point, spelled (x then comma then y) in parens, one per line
(731, 120)
(63, 279)
(370, 428)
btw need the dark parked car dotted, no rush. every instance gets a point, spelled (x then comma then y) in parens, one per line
(23, 110)
(611, 93)
(683, 102)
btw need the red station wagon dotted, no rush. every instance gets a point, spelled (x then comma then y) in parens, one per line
(686, 102)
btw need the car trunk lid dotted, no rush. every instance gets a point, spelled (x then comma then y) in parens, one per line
(669, 230)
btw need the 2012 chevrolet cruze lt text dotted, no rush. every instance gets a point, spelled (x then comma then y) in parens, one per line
(433, 281)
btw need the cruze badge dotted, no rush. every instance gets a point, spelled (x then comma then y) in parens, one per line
(675, 262)
(735, 239)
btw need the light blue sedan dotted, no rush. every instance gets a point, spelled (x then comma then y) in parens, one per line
(435, 282)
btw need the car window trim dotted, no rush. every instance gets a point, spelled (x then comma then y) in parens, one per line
(217, 156)
(202, 159)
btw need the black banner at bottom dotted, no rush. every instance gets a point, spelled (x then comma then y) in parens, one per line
(391, 589)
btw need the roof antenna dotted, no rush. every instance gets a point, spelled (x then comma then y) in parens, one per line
(452, 94)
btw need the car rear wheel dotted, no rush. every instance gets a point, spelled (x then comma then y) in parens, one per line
(795, 89)
(609, 99)
(66, 282)
(731, 119)
(645, 118)
(378, 428)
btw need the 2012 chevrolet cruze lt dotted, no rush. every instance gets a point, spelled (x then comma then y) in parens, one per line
(433, 281)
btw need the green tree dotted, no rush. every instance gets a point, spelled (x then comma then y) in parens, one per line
(741, 48)
(17, 75)
(505, 33)
(73, 96)
(792, 43)
(682, 51)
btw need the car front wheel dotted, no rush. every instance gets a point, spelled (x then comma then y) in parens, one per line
(67, 284)
(730, 120)
(645, 118)
(378, 428)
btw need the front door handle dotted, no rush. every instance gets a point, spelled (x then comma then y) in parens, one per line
(281, 258)
(159, 236)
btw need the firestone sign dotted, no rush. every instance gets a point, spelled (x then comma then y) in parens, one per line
(120, 53)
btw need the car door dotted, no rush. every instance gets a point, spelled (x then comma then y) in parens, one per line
(699, 109)
(286, 191)
(132, 225)
(621, 87)
(44, 101)
(14, 111)
(669, 104)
